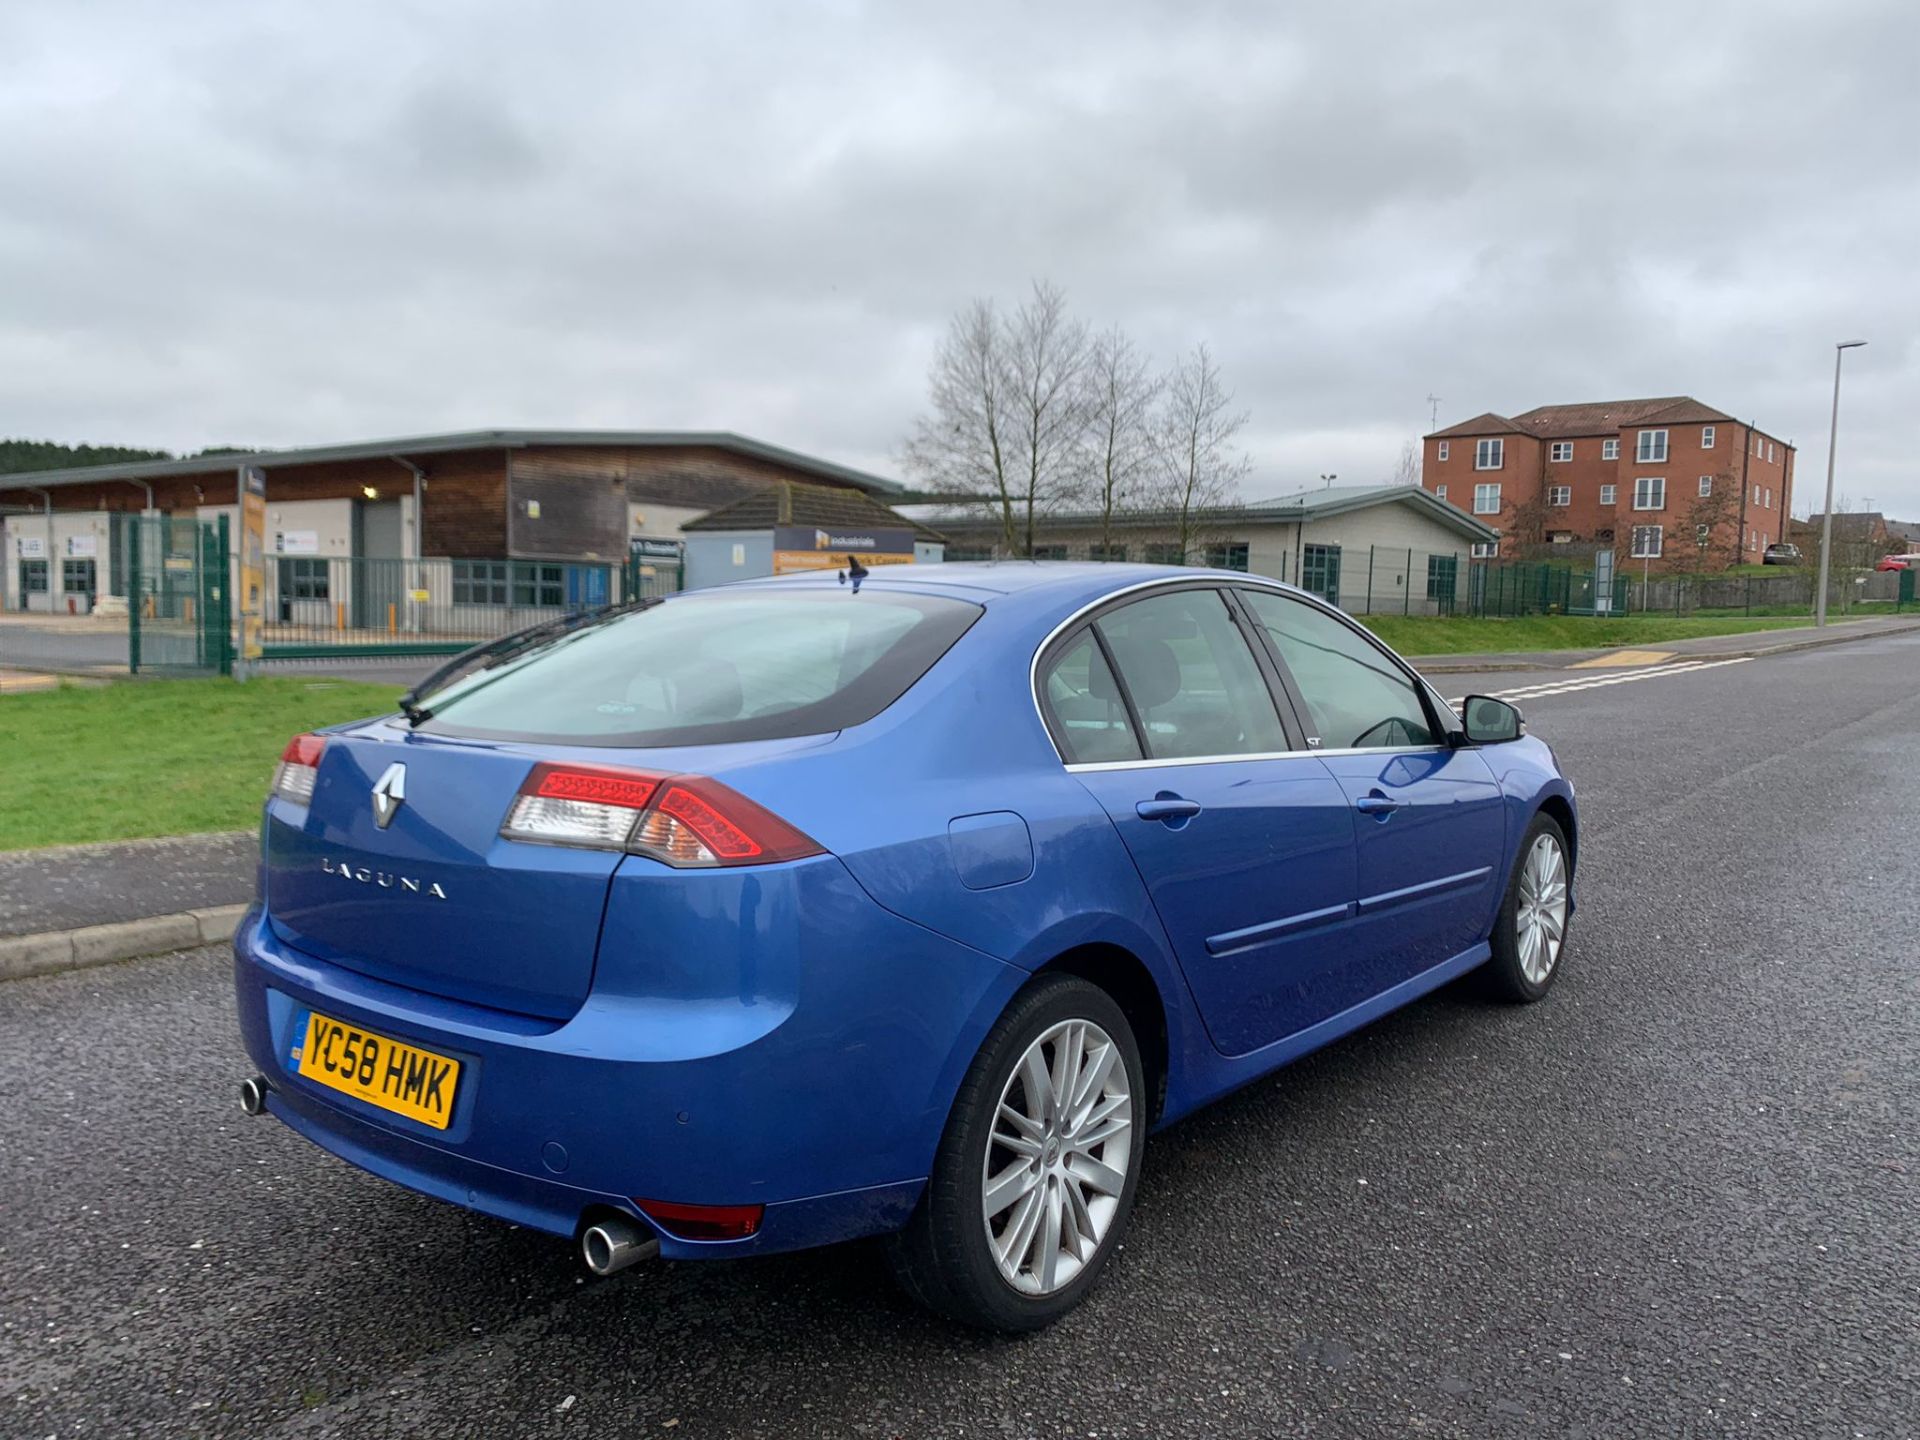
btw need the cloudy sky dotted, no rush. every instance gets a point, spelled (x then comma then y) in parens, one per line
(275, 224)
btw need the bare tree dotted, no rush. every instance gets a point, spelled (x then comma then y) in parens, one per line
(1046, 369)
(1716, 534)
(1406, 470)
(1009, 412)
(1200, 466)
(960, 448)
(1121, 395)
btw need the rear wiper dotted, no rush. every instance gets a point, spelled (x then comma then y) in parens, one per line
(490, 653)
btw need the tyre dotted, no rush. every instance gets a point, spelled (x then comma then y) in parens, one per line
(1530, 936)
(1034, 1179)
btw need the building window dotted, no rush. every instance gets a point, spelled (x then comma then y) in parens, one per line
(1320, 571)
(1758, 449)
(1439, 492)
(1607, 494)
(303, 577)
(542, 585)
(1489, 454)
(1048, 552)
(76, 577)
(1756, 494)
(1561, 450)
(33, 577)
(1486, 549)
(1650, 492)
(1769, 452)
(1706, 486)
(1231, 556)
(1646, 542)
(479, 582)
(1609, 449)
(1486, 499)
(1561, 495)
(1706, 437)
(1164, 552)
(1443, 449)
(958, 553)
(1443, 578)
(1653, 447)
(1097, 551)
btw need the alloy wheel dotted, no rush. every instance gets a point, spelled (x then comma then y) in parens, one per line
(1540, 920)
(1057, 1157)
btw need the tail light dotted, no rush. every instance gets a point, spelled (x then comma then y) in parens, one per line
(687, 821)
(299, 765)
(703, 1222)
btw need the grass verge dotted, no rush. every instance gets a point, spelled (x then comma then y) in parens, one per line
(1466, 635)
(161, 757)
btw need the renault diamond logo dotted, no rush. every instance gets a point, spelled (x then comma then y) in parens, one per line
(389, 794)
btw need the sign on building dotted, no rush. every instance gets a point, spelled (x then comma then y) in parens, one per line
(808, 547)
(253, 559)
(33, 547)
(83, 547)
(299, 542)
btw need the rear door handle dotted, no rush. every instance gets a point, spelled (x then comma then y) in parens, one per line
(1167, 807)
(1378, 803)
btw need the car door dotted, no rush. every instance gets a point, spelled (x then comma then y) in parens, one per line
(1165, 708)
(1429, 819)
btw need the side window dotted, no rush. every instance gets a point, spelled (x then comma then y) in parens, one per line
(1357, 698)
(1193, 681)
(1089, 718)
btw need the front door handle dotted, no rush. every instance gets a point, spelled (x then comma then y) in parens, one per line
(1378, 803)
(1167, 807)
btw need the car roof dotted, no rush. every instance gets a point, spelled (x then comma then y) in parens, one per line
(984, 582)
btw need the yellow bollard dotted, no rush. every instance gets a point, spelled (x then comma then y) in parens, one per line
(391, 626)
(339, 614)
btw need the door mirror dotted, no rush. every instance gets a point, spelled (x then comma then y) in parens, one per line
(1490, 722)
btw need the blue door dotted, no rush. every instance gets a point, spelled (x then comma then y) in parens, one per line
(586, 587)
(1244, 839)
(1429, 818)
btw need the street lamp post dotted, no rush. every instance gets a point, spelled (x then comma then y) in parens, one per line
(1826, 519)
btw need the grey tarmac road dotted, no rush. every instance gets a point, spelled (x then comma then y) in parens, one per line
(1682, 1197)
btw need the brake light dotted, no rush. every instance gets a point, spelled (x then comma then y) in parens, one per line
(703, 1222)
(701, 822)
(687, 821)
(298, 768)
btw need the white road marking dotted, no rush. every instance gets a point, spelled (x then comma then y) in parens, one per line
(1592, 681)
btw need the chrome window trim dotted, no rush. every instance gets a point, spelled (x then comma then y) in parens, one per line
(1092, 766)
(1223, 580)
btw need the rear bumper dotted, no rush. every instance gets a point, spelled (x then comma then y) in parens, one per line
(818, 1087)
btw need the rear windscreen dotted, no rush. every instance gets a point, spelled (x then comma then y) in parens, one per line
(710, 669)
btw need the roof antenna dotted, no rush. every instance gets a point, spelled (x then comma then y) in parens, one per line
(855, 571)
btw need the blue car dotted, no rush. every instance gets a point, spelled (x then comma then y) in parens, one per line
(800, 910)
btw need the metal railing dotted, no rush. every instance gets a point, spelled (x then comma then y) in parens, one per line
(329, 606)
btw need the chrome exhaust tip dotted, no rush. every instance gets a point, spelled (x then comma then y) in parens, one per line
(611, 1245)
(253, 1095)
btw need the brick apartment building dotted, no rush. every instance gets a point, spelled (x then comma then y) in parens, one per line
(1667, 482)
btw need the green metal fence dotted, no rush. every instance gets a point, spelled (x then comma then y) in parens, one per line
(179, 600)
(338, 606)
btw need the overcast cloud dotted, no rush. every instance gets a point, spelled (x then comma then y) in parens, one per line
(267, 224)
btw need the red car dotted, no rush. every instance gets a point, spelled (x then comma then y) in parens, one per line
(1895, 562)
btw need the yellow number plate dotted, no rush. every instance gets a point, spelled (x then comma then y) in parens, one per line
(408, 1081)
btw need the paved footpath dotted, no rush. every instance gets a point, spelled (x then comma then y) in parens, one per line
(73, 885)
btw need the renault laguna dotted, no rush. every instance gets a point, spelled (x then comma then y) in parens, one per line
(901, 903)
